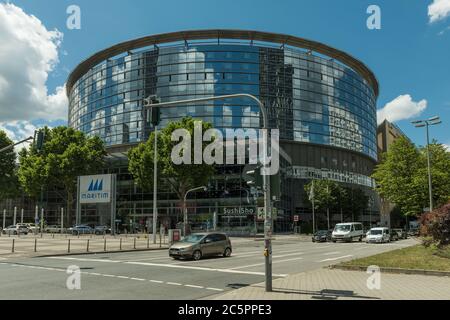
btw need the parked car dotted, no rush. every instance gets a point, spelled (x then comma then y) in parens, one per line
(347, 232)
(53, 229)
(393, 235)
(401, 233)
(102, 230)
(33, 228)
(81, 229)
(378, 235)
(200, 245)
(322, 236)
(16, 230)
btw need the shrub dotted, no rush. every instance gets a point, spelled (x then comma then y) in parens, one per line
(436, 225)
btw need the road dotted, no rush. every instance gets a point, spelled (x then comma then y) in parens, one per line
(153, 275)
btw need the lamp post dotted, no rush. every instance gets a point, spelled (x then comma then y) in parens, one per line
(266, 180)
(421, 124)
(185, 213)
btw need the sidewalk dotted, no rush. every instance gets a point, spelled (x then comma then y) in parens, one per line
(326, 284)
(33, 246)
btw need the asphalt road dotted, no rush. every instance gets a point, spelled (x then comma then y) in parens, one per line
(153, 275)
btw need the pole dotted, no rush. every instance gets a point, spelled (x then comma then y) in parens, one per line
(42, 221)
(15, 216)
(21, 216)
(185, 216)
(313, 209)
(155, 185)
(62, 220)
(4, 218)
(430, 186)
(36, 218)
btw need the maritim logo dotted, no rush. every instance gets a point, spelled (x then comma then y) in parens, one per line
(95, 191)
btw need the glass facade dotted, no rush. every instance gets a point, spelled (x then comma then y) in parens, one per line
(319, 105)
(310, 98)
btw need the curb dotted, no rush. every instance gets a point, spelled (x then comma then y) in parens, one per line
(421, 272)
(99, 252)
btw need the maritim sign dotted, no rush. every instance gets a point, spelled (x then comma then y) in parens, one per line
(95, 189)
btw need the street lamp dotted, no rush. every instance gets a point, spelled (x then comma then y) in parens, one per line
(185, 218)
(421, 124)
(266, 180)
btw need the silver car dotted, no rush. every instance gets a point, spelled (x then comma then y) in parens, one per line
(16, 230)
(198, 245)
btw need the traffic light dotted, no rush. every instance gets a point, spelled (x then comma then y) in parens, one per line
(39, 140)
(255, 178)
(153, 112)
(155, 116)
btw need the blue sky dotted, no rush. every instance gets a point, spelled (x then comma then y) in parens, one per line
(409, 55)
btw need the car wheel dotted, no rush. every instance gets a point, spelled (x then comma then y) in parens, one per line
(360, 239)
(227, 253)
(15, 233)
(334, 241)
(197, 255)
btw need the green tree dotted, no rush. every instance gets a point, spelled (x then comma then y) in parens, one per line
(395, 176)
(8, 179)
(326, 194)
(402, 176)
(181, 178)
(67, 154)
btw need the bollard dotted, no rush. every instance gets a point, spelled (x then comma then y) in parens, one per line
(148, 242)
(104, 246)
(68, 246)
(120, 244)
(87, 247)
(35, 244)
(134, 245)
(13, 243)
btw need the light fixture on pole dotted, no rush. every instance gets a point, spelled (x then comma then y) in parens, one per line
(185, 213)
(422, 124)
(266, 180)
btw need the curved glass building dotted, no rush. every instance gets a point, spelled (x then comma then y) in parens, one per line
(322, 100)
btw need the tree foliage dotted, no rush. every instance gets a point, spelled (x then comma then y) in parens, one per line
(67, 154)
(436, 225)
(180, 177)
(402, 176)
(8, 179)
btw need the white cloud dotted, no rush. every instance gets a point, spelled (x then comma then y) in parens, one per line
(29, 52)
(439, 10)
(447, 146)
(401, 108)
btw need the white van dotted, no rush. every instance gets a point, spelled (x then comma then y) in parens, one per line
(378, 235)
(348, 232)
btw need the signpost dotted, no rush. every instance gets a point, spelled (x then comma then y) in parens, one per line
(97, 189)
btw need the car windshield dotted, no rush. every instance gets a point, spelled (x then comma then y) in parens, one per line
(321, 232)
(376, 232)
(193, 238)
(342, 227)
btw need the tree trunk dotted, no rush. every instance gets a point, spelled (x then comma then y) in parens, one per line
(328, 218)
(69, 209)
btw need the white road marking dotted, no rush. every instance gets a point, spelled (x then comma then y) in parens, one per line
(203, 269)
(168, 266)
(174, 283)
(137, 279)
(261, 264)
(156, 281)
(331, 253)
(214, 289)
(338, 258)
(192, 286)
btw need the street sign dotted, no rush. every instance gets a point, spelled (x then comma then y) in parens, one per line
(260, 214)
(296, 218)
(95, 189)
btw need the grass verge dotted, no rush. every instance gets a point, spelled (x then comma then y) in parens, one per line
(415, 258)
